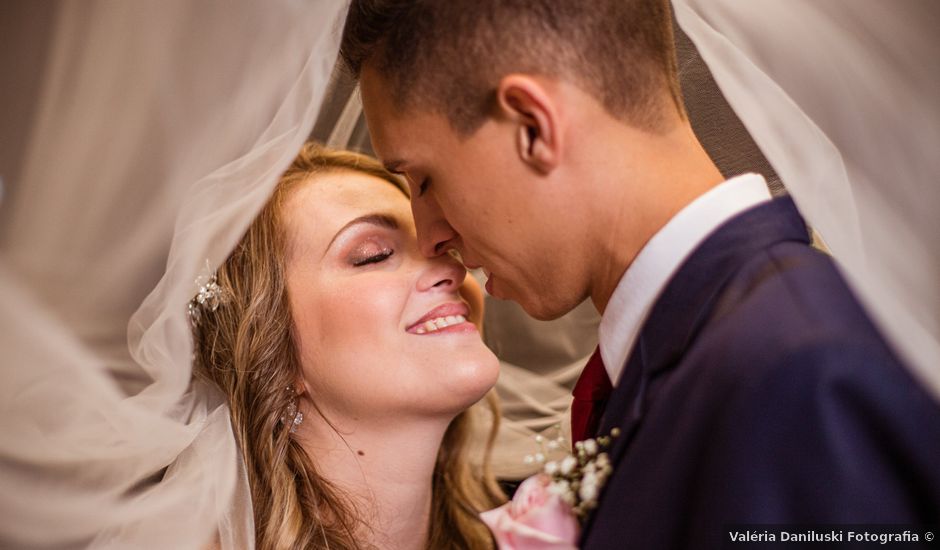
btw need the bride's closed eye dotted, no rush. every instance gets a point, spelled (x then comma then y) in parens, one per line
(374, 259)
(370, 252)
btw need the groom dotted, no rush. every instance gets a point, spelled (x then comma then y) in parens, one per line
(547, 142)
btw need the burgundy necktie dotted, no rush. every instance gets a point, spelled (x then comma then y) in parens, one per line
(590, 397)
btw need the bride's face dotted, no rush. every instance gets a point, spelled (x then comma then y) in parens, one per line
(381, 330)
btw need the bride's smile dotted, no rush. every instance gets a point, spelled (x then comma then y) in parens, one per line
(444, 319)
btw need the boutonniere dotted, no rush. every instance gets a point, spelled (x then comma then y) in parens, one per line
(547, 509)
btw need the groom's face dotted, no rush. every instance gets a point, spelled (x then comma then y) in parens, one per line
(471, 194)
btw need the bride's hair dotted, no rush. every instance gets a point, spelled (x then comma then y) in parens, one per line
(247, 348)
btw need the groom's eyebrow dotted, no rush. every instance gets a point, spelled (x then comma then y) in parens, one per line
(381, 220)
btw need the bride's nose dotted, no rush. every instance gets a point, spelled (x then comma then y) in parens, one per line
(443, 273)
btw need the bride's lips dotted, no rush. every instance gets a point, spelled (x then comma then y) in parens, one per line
(445, 318)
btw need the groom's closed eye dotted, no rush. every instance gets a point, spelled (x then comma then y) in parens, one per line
(416, 182)
(423, 186)
(398, 167)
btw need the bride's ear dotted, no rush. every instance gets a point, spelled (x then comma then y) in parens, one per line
(299, 386)
(525, 101)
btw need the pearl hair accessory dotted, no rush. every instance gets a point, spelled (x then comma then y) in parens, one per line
(209, 296)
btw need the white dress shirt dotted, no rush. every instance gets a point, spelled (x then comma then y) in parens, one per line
(647, 276)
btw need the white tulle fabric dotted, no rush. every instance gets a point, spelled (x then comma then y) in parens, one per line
(841, 97)
(160, 127)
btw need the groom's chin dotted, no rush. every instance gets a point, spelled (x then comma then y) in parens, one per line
(541, 304)
(545, 308)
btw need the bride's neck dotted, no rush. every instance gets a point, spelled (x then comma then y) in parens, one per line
(387, 467)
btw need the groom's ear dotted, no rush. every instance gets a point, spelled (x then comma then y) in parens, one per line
(526, 102)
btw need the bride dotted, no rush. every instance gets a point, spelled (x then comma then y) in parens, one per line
(348, 361)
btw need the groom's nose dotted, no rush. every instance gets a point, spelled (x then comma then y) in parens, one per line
(435, 234)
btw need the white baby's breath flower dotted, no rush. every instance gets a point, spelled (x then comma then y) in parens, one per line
(568, 464)
(590, 478)
(588, 492)
(590, 447)
(564, 491)
(559, 487)
(576, 479)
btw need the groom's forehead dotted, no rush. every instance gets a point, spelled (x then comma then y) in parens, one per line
(399, 134)
(384, 119)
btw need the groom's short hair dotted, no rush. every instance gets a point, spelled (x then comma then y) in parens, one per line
(448, 55)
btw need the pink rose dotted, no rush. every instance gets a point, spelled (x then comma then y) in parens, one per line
(535, 519)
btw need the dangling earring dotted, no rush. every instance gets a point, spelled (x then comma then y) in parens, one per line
(292, 416)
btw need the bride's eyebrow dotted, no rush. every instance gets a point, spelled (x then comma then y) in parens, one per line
(380, 220)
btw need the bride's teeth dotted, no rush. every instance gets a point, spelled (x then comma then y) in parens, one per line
(439, 323)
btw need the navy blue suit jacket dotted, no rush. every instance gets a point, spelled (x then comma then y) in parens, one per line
(759, 392)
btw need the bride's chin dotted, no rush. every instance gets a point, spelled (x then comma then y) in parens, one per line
(474, 378)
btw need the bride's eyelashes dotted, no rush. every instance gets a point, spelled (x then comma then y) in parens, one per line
(372, 250)
(374, 259)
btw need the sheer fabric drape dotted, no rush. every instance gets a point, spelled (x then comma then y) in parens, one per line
(156, 131)
(841, 97)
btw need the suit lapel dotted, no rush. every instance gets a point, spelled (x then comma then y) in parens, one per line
(685, 305)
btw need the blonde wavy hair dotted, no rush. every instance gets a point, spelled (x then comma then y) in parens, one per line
(247, 348)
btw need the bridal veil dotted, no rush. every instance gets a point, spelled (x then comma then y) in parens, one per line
(154, 131)
(140, 138)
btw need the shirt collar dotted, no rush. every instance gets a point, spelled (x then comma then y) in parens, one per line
(652, 268)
